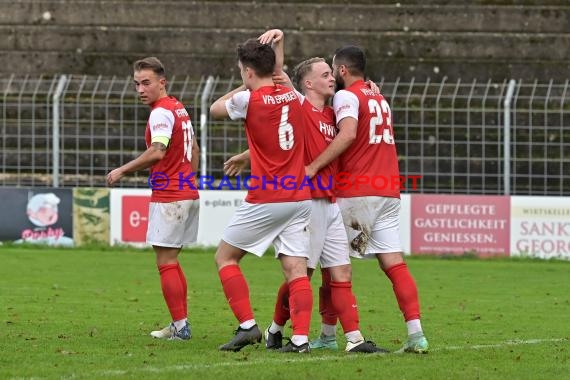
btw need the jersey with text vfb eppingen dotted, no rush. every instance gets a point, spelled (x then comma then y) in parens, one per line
(274, 127)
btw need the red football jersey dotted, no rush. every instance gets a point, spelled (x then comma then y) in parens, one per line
(172, 178)
(370, 165)
(274, 127)
(320, 131)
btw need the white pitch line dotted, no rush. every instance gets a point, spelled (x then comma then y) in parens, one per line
(502, 344)
(307, 358)
(235, 363)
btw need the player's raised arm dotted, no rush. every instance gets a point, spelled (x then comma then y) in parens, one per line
(218, 109)
(276, 38)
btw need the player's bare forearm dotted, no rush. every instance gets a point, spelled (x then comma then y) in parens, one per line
(148, 158)
(275, 37)
(341, 142)
(218, 109)
(244, 155)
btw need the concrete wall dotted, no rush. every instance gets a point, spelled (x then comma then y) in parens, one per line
(470, 39)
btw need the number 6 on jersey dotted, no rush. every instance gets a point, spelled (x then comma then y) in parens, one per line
(286, 138)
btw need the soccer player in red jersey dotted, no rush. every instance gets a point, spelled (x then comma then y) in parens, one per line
(370, 210)
(172, 156)
(273, 211)
(328, 241)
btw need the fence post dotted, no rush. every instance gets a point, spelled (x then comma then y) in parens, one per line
(204, 110)
(55, 131)
(507, 138)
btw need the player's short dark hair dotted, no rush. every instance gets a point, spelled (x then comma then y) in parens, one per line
(302, 69)
(257, 56)
(352, 57)
(150, 63)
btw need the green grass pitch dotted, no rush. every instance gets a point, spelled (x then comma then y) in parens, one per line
(86, 314)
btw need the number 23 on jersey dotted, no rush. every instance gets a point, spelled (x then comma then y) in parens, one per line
(381, 122)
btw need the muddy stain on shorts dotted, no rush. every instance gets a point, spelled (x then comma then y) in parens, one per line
(174, 212)
(360, 242)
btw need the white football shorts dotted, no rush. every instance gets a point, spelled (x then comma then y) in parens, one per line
(329, 245)
(255, 226)
(372, 225)
(173, 224)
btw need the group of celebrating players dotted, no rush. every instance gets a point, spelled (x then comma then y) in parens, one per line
(291, 131)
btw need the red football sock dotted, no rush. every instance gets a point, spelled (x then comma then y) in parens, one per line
(172, 290)
(237, 292)
(344, 303)
(301, 304)
(282, 313)
(184, 286)
(405, 290)
(326, 308)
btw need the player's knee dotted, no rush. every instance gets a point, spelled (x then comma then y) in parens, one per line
(387, 260)
(223, 260)
(227, 254)
(293, 267)
(341, 273)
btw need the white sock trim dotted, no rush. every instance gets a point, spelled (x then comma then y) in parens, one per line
(275, 328)
(299, 339)
(354, 336)
(414, 326)
(179, 325)
(246, 325)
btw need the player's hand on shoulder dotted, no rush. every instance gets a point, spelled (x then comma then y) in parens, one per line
(373, 86)
(280, 78)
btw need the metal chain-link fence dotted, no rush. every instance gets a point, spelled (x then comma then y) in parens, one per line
(70, 131)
